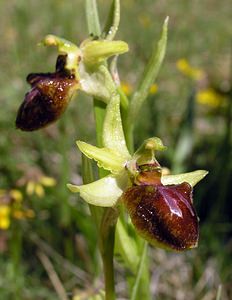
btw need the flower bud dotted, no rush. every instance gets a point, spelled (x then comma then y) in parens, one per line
(48, 98)
(162, 214)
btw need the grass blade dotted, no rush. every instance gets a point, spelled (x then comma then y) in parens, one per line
(139, 273)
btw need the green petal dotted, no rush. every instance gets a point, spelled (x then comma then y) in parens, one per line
(106, 158)
(113, 135)
(146, 152)
(104, 192)
(192, 178)
(95, 52)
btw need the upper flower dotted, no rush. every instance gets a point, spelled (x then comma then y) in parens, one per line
(48, 98)
(76, 68)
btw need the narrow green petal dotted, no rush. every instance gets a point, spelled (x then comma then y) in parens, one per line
(104, 192)
(106, 158)
(113, 135)
(192, 178)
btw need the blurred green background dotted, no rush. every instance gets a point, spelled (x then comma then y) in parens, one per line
(41, 222)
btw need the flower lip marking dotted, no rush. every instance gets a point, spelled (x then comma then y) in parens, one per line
(48, 98)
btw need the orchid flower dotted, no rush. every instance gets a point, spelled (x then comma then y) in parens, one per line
(77, 68)
(160, 206)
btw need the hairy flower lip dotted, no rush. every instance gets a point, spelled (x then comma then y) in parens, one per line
(48, 98)
(164, 215)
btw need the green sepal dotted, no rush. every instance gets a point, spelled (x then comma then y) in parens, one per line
(97, 83)
(104, 192)
(113, 135)
(106, 158)
(96, 52)
(65, 47)
(192, 178)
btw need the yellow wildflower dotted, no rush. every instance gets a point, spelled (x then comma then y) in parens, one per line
(30, 187)
(153, 89)
(4, 217)
(210, 97)
(186, 69)
(145, 20)
(127, 88)
(16, 195)
(39, 190)
(48, 181)
(23, 214)
(29, 213)
(11, 206)
(36, 186)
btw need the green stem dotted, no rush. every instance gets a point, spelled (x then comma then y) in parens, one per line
(109, 217)
(107, 238)
(107, 231)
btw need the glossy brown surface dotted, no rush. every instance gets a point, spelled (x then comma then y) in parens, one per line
(48, 98)
(164, 215)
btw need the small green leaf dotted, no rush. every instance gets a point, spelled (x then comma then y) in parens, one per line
(104, 192)
(113, 135)
(106, 158)
(148, 77)
(192, 178)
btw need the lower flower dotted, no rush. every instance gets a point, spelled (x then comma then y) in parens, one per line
(163, 215)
